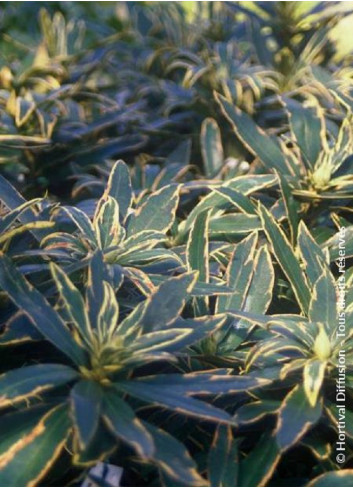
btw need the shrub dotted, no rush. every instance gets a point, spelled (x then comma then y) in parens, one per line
(184, 314)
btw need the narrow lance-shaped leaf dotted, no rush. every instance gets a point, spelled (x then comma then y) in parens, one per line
(223, 459)
(19, 329)
(197, 247)
(83, 223)
(291, 206)
(179, 335)
(119, 187)
(238, 275)
(107, 225)
(286, 258)
(238, 199)
(323, 304)
(167, 302)
(311, 254)
(157, 213)
(73, 300)
(313, 374)
(258, 467)
(14, 200)
(197, 256)
(26, 382)
(199, 383)
(164, 396)
(255, 411)
(101, 446)
(9, 218)
(97, 274)
(36, 458)
(234, 225)
(254, 138)
(109, 312)
(17, 429)
(245, 185)
(211, 147)
(35, 306)
(122, 422)
(259, 294)
(11, 233)
(295, 417)
(308, 132)
(86, 400)
(173, 458)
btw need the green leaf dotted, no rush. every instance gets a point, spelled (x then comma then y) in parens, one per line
(10, 218)
(313, 376)
(260, 319)
(13, 200)
(334, 244)
(72, 299)
(258, 467)
(259, 293)
(101, 446)
(286, 258)
(119, 187)
(167, 303)
(199, 383)
(293, 327)
(233, 225)
(253, 412)
(37, 457)
(291, 205)
(170, 339)
(143, 240)
(311, 254)
(295, 417)
(238, 274)
(17, 429)
(131, 324)
(272, 350)
(35, 306)
(86, 400)
(11, 233)
(19, 329)
(211, 147)
(106, 223)
(223, 459)
(83, 224)
(26, 382)
(173, 458)
(97, 275)
(338, 478)
(323, 304)
(254, 138)
(108, 314)
(238, 199)
(244, 184)
(180, 334)
(200, 288)
(307, 129)
(157, 213)
(148, 256)
(175, 400)
(197, 257)
(123, 423)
